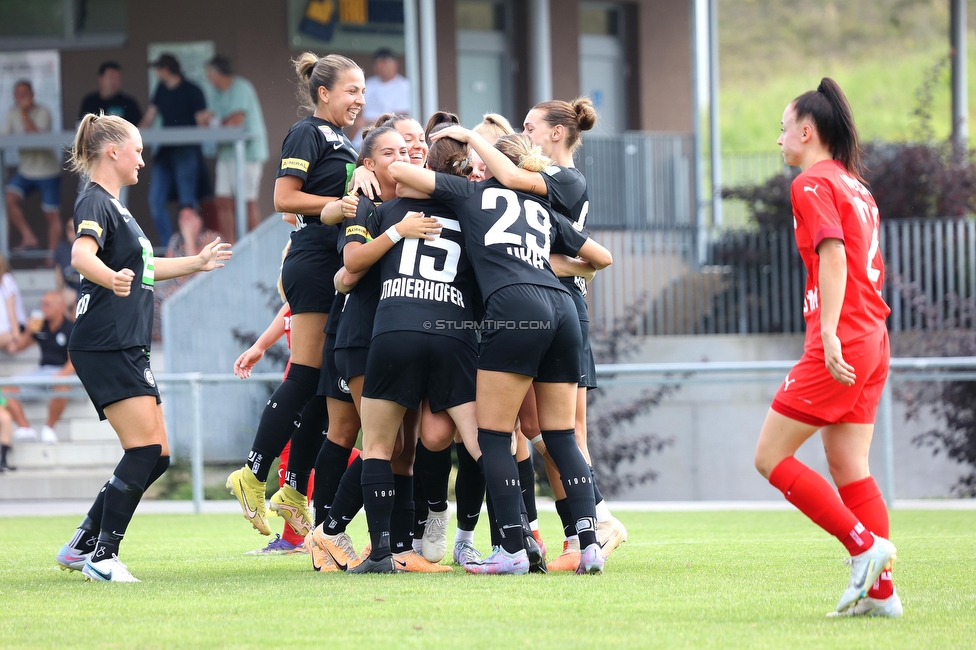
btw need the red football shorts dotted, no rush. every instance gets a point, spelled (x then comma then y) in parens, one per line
(810, 395)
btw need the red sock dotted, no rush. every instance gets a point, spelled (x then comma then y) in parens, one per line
(815, 498)
(864, 499)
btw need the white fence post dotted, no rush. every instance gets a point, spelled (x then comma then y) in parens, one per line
(196, 451)
(885, 423)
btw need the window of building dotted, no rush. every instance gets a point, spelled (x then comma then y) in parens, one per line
(62, 24)
(347, 26)
(599, 19)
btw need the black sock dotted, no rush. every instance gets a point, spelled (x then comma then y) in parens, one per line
(436, 470)
(469, 490)
(597, 496)
(348, 499)
(496, 538)
(158, 470)
(419, 491)
(501, 477)
(566, 518)
(86, 536)
(306, 441)
(330, 464)
(280, 417)
(122, 495)
(402, 519)
(3, 454)
(575, 476)
(378, 496)
(527, 480)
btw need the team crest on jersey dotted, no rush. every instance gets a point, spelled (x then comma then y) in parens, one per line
(61, 339)
(343, 386)
(149, 377)
(330, 135)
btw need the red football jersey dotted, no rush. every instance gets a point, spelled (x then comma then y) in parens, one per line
(830, 203)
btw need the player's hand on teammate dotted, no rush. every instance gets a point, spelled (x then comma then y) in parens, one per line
(839, 369)
(348, 206)
(247, 360)
(122, 282)
(365, 181)
(454, 132)
(214, 254)
(417, 226)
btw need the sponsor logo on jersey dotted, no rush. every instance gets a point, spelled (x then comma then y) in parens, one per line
(149, 377)
(294, 163)
(88, 224)
(552, 170)
(330, 135)
(352, 231)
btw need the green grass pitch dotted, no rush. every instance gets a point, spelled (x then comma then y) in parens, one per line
(688, 579)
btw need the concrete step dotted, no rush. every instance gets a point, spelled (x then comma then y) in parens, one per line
(33, 284)
(90, 430)
(28, 455)
(36, 410)
(24, 484)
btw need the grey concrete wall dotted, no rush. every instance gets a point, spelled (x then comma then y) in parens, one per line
(715, 427)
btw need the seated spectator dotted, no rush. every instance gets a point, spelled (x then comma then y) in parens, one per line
(6, 437)
(192, 236)
(66, 278)
(39, 169)
(50, 330)
(12, 316)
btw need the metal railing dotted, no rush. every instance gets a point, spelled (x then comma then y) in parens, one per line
(753, 281)
(639, 180)
(916, 369)
(179, 135)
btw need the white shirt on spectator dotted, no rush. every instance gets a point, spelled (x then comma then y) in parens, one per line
(8, 288)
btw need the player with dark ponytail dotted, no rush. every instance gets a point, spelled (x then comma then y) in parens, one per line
(836, 386)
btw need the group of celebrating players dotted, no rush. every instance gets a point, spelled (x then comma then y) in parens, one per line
(435, 293)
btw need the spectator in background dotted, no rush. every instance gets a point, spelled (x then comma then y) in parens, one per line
(50, 330)
(191, 237)
(387, 91)
(66, 278)
(235, 103)
(109, 97)
(12, 316)
(40, 169)
(179, 103)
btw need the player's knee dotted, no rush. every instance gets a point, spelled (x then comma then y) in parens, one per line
(764, 462)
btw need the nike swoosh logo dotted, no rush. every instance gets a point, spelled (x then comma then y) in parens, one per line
(336, 146)
(104, 576)
(400, 563)
(247, 507)
(345, 518)
(125, 219)
(74, 558)
(473, 516)
(342, 567)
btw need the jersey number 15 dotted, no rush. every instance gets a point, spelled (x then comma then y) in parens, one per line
(427, 268)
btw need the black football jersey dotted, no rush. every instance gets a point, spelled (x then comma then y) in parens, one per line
(568, 196)
(507, 233)
(356, 326)
(106, 321)
(319, 153)
(426, 285)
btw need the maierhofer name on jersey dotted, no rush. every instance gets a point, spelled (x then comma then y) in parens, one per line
(422, 290)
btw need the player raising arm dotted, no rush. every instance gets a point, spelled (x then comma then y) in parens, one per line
(111, 340)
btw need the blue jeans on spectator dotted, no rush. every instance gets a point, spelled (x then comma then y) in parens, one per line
(177, 166)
